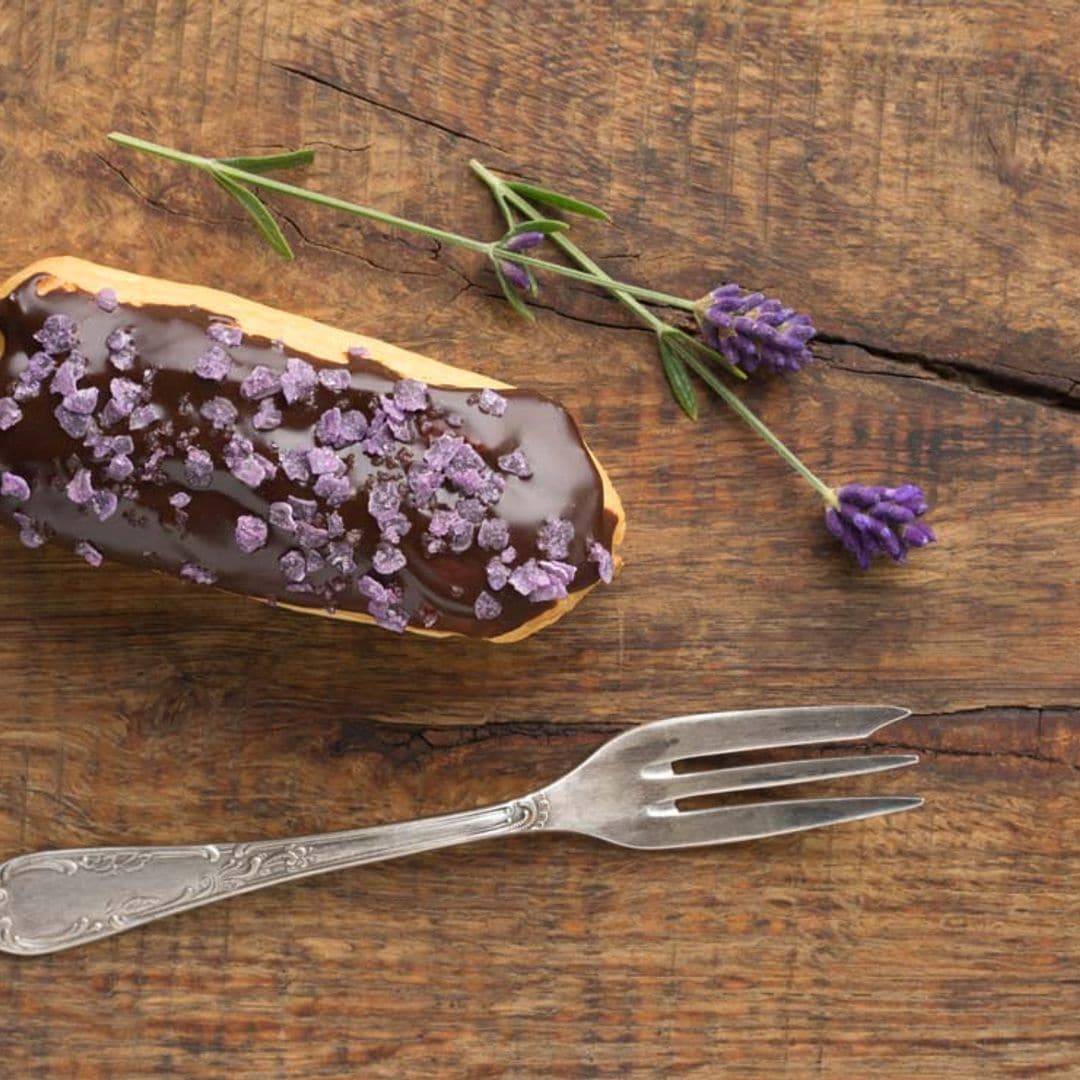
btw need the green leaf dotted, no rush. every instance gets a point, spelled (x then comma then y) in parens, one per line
(541, 225)
(268, 162)
(554, 198)
(512, 295)
(679, 379)
(264, 220)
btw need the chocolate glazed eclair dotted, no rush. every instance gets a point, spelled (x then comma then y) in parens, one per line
(204, 435)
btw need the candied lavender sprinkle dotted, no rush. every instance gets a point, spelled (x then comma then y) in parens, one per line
(516, 464)
(250, 533)
(487, 607)
(334, 489)
(411, 395)
(261, 382)
(494, 534)
(198, 468)
(555, 537)
(145, 415)
(106, 300)
(220, 411)
(298, 381)
(605, 564)
(29, 534)
(71, 423)
(120, 468)
(213, 364)
(874, 520)
(10, 413)
(267, 416)
(324, 460)
(87, 551)
(336, 380)
(249, 470)
(224, 334)
(68, 374)
(753, 332)
(544, 580)
(83, 402)
(294, 465)
(198, 574)
(59, 334)
(388, 559)
(80, 488)
(358, 352)
(491, 403)
(293, 566)
(179, 500)
(498, 574)
(125, 396)
(13, 486)
(103, 505)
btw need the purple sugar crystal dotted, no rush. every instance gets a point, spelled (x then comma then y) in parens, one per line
(873, 520)
(334, 489)
(220, 411)
(410, 395)
(213, 364)
(509, 554)
(293, 566)
(39, 367)
(261, 382)
(324, 460)
(542, 581)
(486, 606)
(10, 413)
(106, 300)
(82, 402)
(125, 396)
(198, 574)
(13, 486)
(119, 340)
(358, 352)
(342, 556)
(336, 380)
(29, 534)
(494, 534)
(103, 505)
(516, 464)
(224, 334)
(80, 488)
(752, 332)
(311, 536)
(298, 381)
(250, 533)
(384, 499)
(305, 509)
(442, 450)
(605, 564)
(267, 416)
(72, 424)
(282, 517)
(198, 468)
(372, 589)
(491, 403)
(249, 470)
(59, 334)
(424, 481)
(393, 527)
(554, 537)
(237, 449)
(144, 415)
(294, 465)
(68, 374)
(120, 468)
(388, 559)
(335, 526)
(498, 574)
(90, 553)
(179, 500)
(122, 359)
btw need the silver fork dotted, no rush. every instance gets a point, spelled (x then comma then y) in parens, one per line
(627, 793)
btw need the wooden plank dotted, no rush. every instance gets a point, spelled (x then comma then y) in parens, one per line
(905, 172)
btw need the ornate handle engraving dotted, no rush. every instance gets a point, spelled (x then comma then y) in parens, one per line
(56, 899)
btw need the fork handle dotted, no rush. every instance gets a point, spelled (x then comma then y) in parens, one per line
(52, 900)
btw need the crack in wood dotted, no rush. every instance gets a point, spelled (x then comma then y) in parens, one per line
(330, 84)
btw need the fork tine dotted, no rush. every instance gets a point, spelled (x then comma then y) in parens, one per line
(706, 734)
(727, 824)
(778, 773)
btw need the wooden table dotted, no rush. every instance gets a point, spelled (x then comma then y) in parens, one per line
(908, 173)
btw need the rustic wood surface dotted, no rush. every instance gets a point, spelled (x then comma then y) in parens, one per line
(907, 172)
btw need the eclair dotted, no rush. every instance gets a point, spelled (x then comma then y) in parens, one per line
(235, 445)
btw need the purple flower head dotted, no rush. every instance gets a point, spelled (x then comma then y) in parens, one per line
(515, 274)
(524, 241)
(875, 520)
(752, 331)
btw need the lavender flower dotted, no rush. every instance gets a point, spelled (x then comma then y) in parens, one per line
(511, 271)
(752, 332)
(877, 520)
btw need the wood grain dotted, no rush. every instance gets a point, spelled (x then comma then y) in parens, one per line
(908, 174)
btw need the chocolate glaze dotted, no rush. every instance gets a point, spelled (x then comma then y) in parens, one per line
(147, 531)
